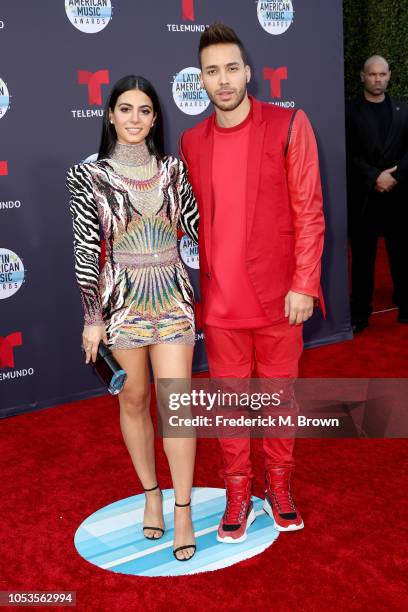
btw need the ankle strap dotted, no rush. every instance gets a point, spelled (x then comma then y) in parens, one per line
(152, 489)
(182, 505)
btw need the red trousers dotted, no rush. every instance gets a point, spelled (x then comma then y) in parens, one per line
(264, 352)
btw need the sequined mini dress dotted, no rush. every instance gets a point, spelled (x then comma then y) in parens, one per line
(136, 203)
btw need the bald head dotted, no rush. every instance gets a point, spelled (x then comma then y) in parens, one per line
(375, 59)
(375, 77)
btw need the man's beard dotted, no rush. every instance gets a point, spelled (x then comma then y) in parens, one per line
(232, 105)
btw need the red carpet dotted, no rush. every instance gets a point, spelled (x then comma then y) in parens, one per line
(62, 464)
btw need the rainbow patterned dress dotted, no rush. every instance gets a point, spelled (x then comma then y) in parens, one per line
(135, 202)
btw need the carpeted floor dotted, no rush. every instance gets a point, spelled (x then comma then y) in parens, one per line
(61, 464)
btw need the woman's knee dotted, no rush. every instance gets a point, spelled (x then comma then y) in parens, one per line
(134, 402)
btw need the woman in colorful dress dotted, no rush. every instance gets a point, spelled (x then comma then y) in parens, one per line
(141, 302)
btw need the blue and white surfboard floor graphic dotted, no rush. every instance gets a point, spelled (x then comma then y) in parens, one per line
(112, 537)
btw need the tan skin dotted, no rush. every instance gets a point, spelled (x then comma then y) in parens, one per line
(133, 117)
(375, 78)
(225, 76)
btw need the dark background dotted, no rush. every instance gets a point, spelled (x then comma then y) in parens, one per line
(374, 27)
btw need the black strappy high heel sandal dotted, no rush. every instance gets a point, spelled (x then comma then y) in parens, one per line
(176, 550)
(154, 528)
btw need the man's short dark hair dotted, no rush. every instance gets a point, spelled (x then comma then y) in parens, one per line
(220, 34)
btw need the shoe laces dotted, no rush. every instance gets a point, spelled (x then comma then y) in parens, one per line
(236, 508)
(283, 500)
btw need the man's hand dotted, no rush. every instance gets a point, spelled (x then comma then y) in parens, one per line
(298, 307)
(386, 182)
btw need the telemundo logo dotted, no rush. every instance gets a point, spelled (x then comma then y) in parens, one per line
(275, 17)
(91, 16)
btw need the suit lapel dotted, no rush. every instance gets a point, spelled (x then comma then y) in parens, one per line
(394, 127)
(255, 147)
(206, 157)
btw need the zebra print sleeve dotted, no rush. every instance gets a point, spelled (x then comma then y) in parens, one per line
(87, 248)
(189, 210)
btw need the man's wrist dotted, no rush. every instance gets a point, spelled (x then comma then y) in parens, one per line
(303, 292)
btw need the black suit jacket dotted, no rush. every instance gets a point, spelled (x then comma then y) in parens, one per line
(367, 157)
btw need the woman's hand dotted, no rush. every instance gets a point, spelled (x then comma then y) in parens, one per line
(91, 337)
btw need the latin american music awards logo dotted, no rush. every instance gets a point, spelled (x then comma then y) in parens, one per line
(12, 273)
(188, 93)
(275, 17)
(89, 16)
(4, 98)
(189, 252)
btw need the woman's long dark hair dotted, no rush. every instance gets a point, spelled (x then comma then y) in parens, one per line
(155, 139)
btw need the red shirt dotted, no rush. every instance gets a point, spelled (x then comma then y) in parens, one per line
(232, 301)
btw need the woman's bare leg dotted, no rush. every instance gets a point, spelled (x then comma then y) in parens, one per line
(175, 361)
(137, 429)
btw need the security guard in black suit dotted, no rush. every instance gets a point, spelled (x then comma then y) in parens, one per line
(377, 167)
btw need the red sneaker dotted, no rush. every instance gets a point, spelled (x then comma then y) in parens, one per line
(239, 512)
(278, 500)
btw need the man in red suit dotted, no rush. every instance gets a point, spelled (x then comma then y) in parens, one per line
(255, 173)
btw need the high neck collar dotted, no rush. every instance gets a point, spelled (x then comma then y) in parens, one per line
(131, 155)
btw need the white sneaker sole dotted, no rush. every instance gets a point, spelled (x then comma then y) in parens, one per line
(229, 540)
(267, 508)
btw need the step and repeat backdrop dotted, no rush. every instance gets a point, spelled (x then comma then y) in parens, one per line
(59, 60)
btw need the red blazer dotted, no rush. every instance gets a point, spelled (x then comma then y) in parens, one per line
(285, 223)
